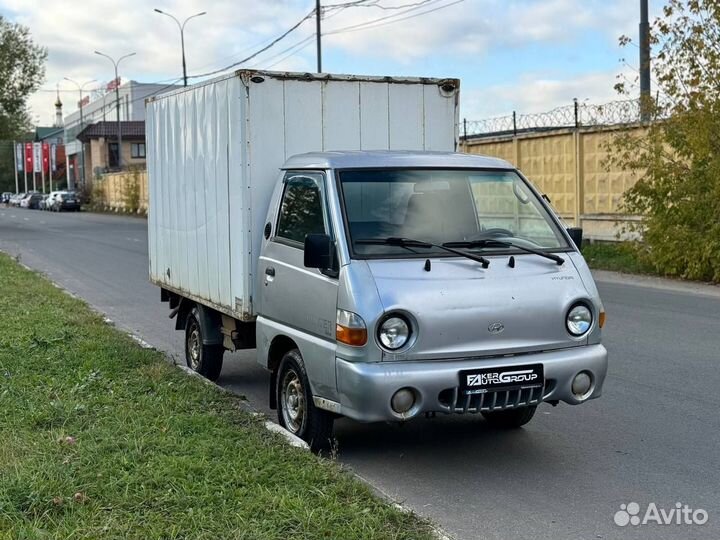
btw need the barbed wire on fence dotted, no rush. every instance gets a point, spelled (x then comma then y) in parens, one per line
(575, 114)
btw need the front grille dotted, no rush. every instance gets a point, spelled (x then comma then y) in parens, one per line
(454, 402)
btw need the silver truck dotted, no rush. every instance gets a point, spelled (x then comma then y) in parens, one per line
(380, 285)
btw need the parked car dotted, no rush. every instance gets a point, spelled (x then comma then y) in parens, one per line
(26, 200)
(375, 285)
(49, 205)
(33, 201)
(5, 197)
(15, 199)
(66, 200)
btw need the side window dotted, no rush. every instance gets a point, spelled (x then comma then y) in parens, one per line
(301, 211)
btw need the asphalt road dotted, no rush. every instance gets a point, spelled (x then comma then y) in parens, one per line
(654, 436)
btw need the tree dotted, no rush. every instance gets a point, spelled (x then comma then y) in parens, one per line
(677, 158)
(22, 70)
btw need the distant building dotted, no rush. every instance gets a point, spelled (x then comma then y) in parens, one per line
(102, 109)
(54, 136)
(101, 146)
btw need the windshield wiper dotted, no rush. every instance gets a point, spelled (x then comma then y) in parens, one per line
(503, 243)
(409, 243)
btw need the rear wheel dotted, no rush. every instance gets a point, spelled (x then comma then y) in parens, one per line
(207, 360)
(510, 419)
(296, 411)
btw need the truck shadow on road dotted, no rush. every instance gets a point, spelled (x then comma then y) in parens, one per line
(447, 438)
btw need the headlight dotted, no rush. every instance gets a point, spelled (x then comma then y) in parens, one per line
(579, 320)
(394, 332)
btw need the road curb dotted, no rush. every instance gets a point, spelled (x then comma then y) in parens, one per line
(438, 533)
(291, 439)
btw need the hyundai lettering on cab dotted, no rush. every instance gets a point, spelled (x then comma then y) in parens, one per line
(376, 285)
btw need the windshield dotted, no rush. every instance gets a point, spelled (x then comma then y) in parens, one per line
(440, 206)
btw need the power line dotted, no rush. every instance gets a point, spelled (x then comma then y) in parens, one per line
(374, 4)
(302, 46)
(397, 17)
(273, 42)
(371, 24)
(291, 47)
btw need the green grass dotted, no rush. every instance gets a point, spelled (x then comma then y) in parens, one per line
(616, 256)
(100, 438)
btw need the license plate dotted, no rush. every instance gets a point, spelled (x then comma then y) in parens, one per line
(481, 380)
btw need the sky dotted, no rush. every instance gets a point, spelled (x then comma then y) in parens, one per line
(523, 55)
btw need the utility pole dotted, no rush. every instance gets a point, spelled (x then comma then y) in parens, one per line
(117, 101)
(82, 125)
(644, 62)
(318, 34)
(182, 36)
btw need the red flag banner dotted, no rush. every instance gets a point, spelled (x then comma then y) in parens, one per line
(112, 85)
(37, 157)
(29, 157)
(45, 157)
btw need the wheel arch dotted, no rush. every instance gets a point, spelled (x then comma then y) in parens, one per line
(280, 345)
(209, 319)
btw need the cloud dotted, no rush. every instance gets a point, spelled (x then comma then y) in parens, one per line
(536, 93)
(475, 27)
(457, 36)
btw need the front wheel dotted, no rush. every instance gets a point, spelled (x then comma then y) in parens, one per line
(296, 411)
(511, 418)
(207, 360)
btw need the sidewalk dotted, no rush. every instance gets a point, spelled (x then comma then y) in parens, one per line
(673, 285)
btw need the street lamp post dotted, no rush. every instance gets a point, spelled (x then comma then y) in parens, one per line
(117, 100)
(80, 88)
(181, 26)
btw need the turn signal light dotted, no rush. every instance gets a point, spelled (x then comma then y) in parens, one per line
(601, 319)
(350, 328)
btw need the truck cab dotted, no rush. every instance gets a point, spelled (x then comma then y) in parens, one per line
(391, 285)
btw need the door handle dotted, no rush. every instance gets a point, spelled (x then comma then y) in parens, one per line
(270, 271)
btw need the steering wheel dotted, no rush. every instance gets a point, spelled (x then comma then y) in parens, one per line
(495, 232)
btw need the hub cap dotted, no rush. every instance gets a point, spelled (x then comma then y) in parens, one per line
(292, 401)
(193, 348)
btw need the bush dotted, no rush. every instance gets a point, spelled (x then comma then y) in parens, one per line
(677, 160)
(131, 191)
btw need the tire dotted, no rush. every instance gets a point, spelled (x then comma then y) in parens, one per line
(510, 419)
(207, 360)
(296, 411)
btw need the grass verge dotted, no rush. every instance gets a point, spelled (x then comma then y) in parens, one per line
(100, 438)
(616, 256)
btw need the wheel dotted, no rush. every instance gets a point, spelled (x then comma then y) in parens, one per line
(206, 360)
(296, 411)
(510, 419)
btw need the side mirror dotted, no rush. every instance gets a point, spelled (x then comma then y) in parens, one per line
(318, 251)
(576, 233)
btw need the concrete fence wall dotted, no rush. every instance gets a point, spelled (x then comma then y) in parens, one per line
(569, 166)
(125, 191)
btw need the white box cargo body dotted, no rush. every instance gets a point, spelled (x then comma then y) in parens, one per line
(214, 153)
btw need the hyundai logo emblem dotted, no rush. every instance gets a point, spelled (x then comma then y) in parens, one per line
(496, 327)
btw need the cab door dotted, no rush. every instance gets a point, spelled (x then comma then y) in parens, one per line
(296, 301)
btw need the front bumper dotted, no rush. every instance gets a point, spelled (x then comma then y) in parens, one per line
(365, 389)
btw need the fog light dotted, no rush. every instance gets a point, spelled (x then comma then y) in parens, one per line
(581, 384)
(403, 400)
